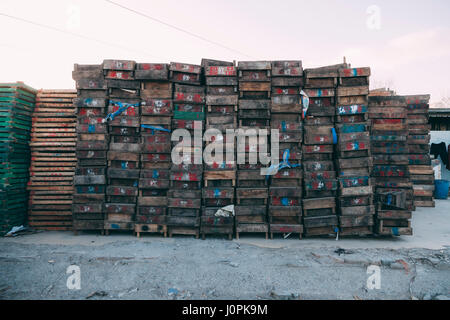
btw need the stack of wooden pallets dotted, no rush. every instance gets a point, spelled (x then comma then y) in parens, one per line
(53, 160)
(254, 92)
(156, 117)
(390, 164)
(125, 145)
(422, 174)
(219, 174)
(320, 184)
(17, 103)
(186, 175)
(254, 118)
(354, 160)
(92, 146)
(251, 184)
(285, 192)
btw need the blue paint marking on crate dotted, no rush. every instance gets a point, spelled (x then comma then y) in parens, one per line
(353, 128)
(335, 137)
(389, 199)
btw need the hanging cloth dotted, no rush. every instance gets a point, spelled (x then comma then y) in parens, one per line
(440, 150)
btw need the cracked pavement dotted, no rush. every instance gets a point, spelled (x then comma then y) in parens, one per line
(122, 266)
(185, 268)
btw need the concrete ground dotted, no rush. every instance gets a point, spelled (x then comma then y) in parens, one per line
(121, 266)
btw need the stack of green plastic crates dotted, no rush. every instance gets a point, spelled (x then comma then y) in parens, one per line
(16, 106)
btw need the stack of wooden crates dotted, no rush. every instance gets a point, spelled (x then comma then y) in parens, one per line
(422, 174)
(17, 103)
(320, 184)
(254, 119)
(285, 192)
(91, 150)
(156, 117)
(53, 160)
(394, 193)
(124, 148)
(185, 194)
(219, 175)
(353, 157)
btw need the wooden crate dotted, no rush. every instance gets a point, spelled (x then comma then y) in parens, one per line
(317, 135)
(152, 71)
(286, 229)
(211, 224)
(156, 90)
(384, 230)
(319, 207)
(185, 73)
(252, 228)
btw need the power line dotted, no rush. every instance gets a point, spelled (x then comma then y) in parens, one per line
(75, 34)
(177, 28)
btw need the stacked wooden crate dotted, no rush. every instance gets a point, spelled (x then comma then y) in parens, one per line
(254, 92)
(354, 162)
(53, 160)
(124, 147)
(390, 164)
(320, 184)
(422, 174)
(285, 192)
(185, 194)
(254, 118)
(17, 103)
(92, 146)
(156, 117)
(219, 174)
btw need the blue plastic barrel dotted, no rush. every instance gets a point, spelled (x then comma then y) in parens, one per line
(441, 190)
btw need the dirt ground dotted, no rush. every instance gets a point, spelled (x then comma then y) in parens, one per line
(120, 266)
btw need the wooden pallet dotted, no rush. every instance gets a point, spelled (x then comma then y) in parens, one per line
(223, 175)
(184, 231)
(150, 228)
(53, 144)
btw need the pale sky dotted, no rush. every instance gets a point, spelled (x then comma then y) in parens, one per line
(406, 43)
